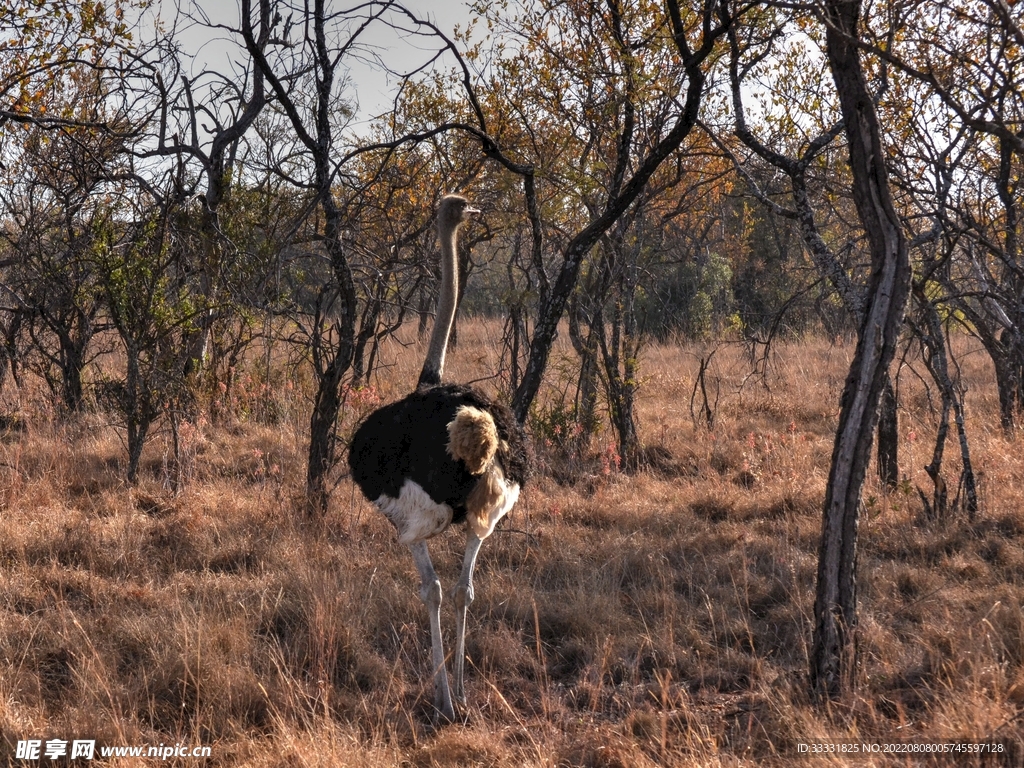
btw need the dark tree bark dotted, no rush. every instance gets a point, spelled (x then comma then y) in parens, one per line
(10, 333)
(515, 335)
(1008, 359)
(335, 360)
(888, 438)
(833, 653)
(1010, 369)
(586, 402)
(618, 338)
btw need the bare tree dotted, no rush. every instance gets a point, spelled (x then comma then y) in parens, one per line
(796, 170)
(637, 157)
(52, 208)
(973, 75)
(833, 654)
(202, 119)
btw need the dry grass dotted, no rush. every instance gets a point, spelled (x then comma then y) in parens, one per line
(660, 619)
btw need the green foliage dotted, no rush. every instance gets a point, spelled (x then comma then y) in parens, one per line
(145, 304)
(152, 312)
(694, 299)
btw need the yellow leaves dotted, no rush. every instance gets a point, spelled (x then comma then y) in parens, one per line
(45, 40)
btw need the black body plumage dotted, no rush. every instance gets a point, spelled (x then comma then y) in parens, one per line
(407, 440)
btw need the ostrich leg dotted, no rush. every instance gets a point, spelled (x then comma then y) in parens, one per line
(430, 593)
(463, 596)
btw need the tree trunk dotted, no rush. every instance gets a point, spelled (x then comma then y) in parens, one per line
(322, 422)
(423, 310)
(1007, 358)
(72, 356)
(9, 355)
(833, 653)
(334, 366)
(587, 383)
(821, 254)
(888, 438)
(620, 354)
(515, 338)
(138, 409)
(464, 267)
(937, 354)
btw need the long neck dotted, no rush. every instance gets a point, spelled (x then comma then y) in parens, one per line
(433, 366)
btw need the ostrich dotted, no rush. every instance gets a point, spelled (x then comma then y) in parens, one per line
(443, 454)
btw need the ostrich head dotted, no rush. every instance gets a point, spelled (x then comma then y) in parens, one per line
(452, 211)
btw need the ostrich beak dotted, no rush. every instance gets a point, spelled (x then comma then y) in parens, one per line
(471, 209)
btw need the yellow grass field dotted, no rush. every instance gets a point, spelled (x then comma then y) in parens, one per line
(620, 620)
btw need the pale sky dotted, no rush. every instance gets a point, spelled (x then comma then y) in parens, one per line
(372, 87)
